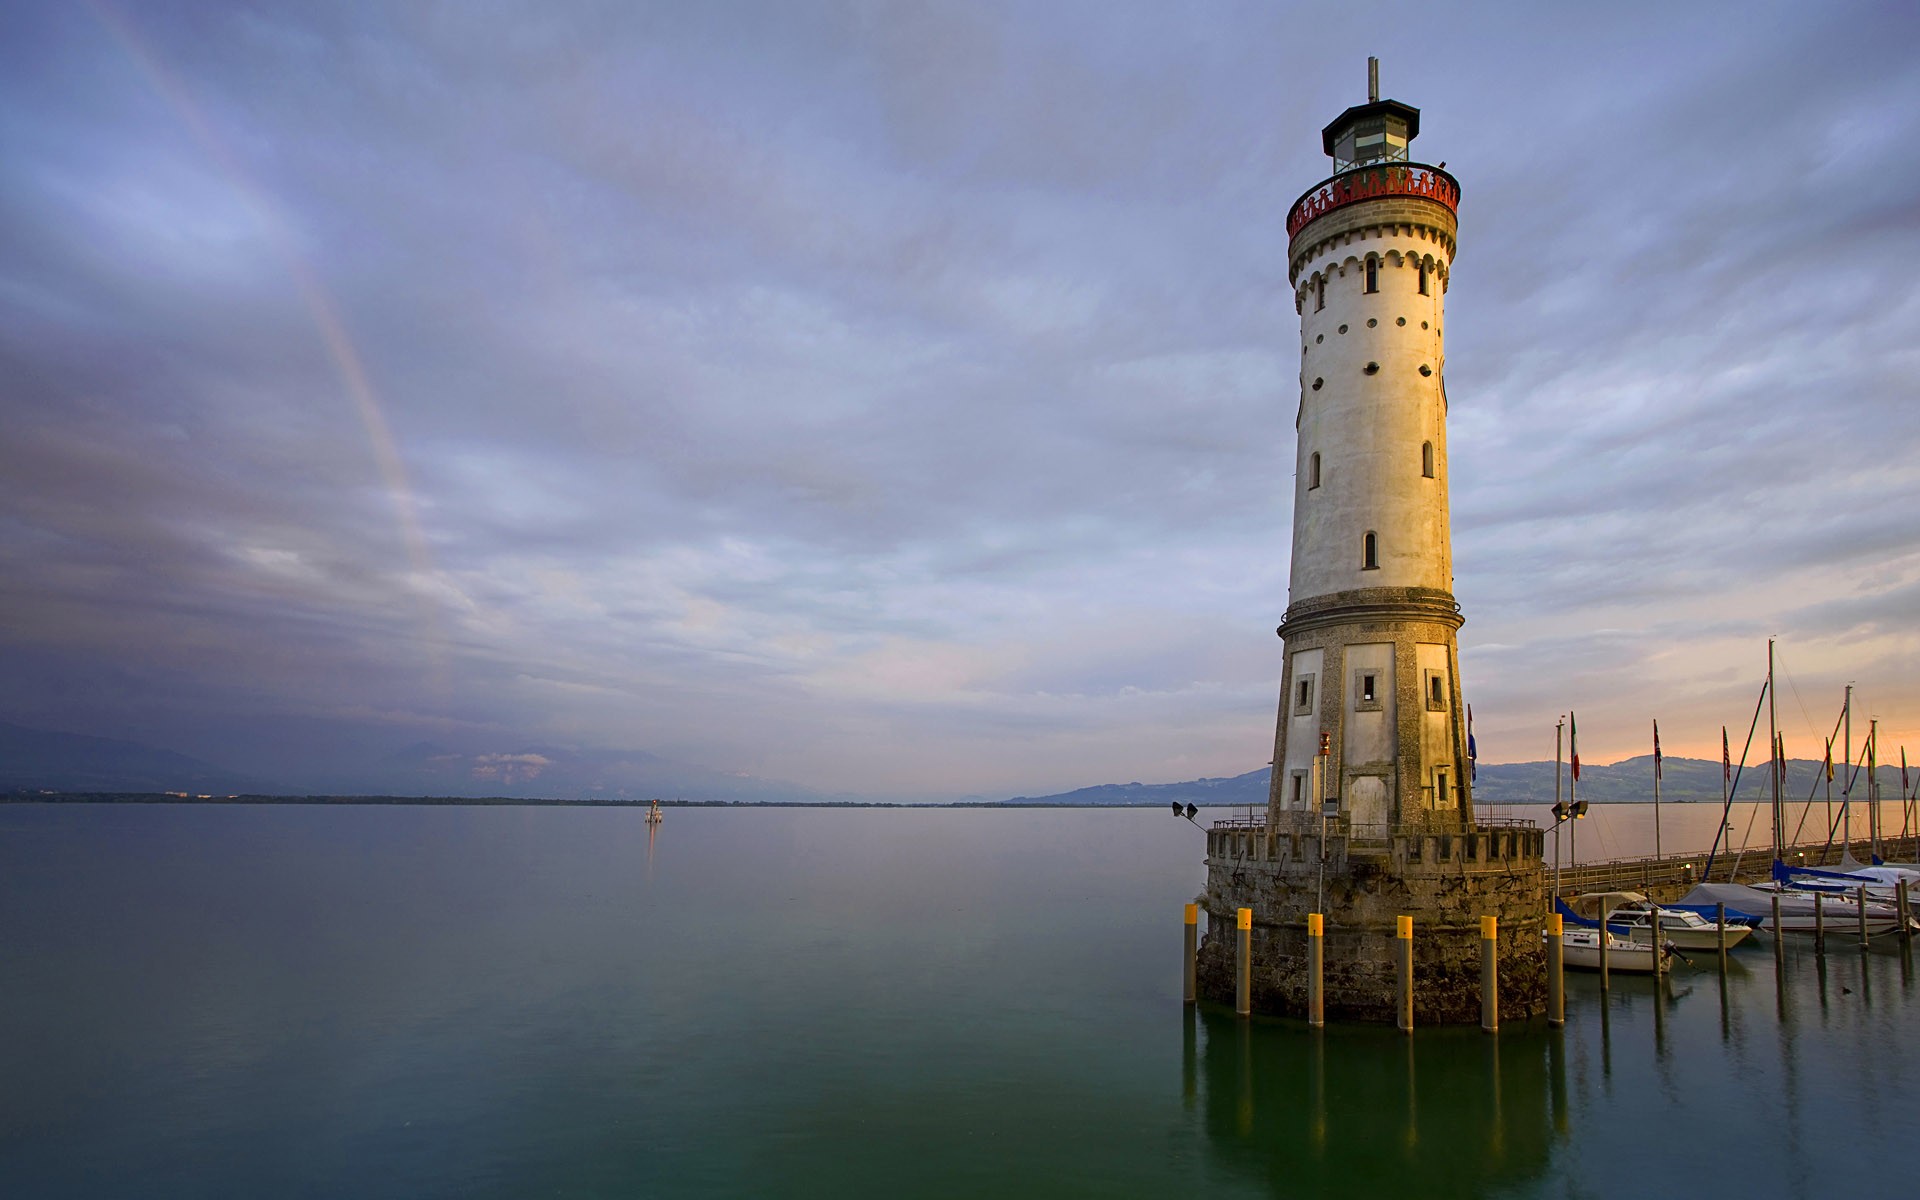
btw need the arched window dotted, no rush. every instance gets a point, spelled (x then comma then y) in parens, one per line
(1426, 459)
(1423, 279)
(1373, 274)
(1371, 553)
(1313, 470)
(1319, 292)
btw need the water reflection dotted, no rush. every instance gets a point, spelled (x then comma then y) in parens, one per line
(1354, 1111)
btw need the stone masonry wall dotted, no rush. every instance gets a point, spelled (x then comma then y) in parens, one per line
(1365, 892)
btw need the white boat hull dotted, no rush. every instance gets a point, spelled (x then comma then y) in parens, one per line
(1580, 948)
(1684, 939)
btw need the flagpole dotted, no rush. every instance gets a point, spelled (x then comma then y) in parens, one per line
(1656, 798)
(1573, 785)
(1559, 727)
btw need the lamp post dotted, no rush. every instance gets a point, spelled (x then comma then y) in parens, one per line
(1562, 813)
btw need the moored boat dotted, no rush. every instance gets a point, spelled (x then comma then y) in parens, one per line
(1580, 947)
(1679, 928)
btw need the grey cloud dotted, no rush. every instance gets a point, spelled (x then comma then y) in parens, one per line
(774, 382)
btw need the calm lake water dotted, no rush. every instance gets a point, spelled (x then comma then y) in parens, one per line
(293, 1001)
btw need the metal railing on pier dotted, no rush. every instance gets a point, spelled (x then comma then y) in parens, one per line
(1677, 873)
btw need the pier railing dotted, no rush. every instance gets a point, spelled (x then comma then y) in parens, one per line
(1675, 874)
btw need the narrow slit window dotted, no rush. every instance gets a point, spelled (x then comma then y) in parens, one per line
(1440, 795)
(1313, 470)
(1299, 790)
(1426, 459)
(1370, 553)
(1433, 687)
(1423, 279)
(1319, 292)
(1306, 693)
(1373, 275)
(1366, 688)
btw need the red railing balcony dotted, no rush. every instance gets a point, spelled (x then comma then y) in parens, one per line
(1371, 182)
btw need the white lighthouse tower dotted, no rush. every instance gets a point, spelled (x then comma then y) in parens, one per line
(1371, 726)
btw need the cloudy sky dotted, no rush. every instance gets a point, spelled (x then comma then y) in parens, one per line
(896, 399)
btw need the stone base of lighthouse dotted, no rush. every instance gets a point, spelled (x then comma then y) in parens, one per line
(1446, 881)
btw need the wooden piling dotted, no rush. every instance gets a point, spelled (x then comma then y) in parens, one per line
(1556, 971)
(1906, 924)
(1605, 937)
(1316, 962)
(1403, 942)
(1188, 971)
(1720, 934)
(1860, 898)
(1243, 964)
(1490, 974)
(1779, 945)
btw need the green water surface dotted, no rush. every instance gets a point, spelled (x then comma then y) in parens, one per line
(286, 1001)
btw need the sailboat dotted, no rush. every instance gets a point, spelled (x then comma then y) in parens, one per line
(1803, 908)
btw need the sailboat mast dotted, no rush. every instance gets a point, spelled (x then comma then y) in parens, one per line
(1873, 792)
(1846, 778)
(1773, 752)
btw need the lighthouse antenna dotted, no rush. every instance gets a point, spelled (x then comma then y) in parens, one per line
(1373, 80)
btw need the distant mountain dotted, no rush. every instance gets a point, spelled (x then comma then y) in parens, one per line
(1250, 788)
(1682, 780)
(36, 759)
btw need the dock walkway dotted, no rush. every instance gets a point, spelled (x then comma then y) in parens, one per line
(1668, 878)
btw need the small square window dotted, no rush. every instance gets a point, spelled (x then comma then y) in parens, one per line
(1369, 688)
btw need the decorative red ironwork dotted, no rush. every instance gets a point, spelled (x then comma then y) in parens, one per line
(1370, 182)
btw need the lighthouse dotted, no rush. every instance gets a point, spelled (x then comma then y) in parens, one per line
(1369, 848)
(1371, 723)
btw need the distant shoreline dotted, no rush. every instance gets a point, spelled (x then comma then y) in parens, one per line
(47, 797)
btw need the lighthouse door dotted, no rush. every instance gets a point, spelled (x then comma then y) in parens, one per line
(1368, 802)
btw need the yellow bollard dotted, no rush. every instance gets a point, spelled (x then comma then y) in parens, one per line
(1490, 974)
(1316, 960)
(1556, 971)
(1403, 939)
(1243, 984)
(1190, 989)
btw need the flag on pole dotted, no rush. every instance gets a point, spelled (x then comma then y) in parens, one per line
(1573, 744)
(1473, 751)
(1829, 760)
(1726, 757)
(1656, 749)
